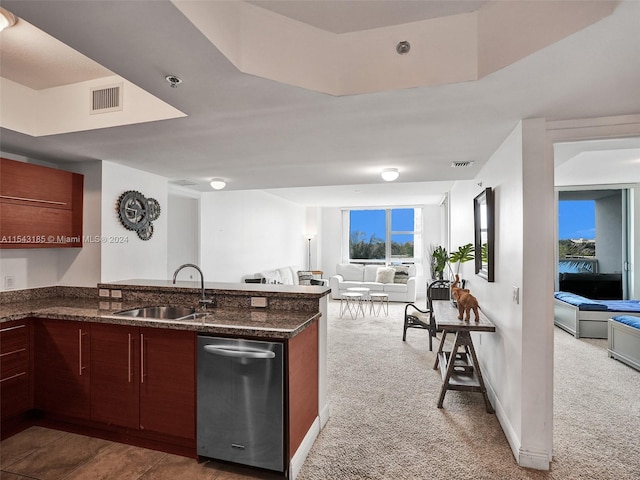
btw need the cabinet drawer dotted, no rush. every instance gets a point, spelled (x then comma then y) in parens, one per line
(13, 363)
(13, 335)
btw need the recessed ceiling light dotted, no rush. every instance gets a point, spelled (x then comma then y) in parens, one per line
(173, 80)
(403, 48)
(390, 174)
(7, 19)
(218, 184)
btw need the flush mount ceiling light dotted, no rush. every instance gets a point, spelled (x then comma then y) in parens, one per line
(218, 184)
(7, 19)
(390, 174)
(173, 80)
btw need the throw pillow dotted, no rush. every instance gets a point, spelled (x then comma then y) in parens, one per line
(272, 276)
(385, 275)
(304, 278)
(401, 275)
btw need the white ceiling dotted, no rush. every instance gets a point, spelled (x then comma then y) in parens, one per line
(597, 162)
(354, 15)
(37, 60)
(261, 134)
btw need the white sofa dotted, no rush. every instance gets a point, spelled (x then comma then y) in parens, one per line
(353, 275)
(282, 276)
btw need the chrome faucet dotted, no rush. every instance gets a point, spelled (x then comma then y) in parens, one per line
(204, 302)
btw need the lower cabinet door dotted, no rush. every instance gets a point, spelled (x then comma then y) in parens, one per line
(167, 383)
(115, 374)
(14, 396)
(62, 373)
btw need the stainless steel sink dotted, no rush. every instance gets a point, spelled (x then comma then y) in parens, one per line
(161, 313)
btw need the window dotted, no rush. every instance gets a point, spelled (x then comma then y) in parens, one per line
(383, 235)
(576, 236)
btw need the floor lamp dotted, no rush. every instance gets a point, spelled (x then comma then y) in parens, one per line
(309, 237)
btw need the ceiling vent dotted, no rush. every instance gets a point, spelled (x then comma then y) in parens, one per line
(461, 164)
(183, 183)
(106, 99)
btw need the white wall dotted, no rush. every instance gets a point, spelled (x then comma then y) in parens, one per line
(183, 238)
(313, 227)
(80, 267)
(331, 240)
(133, 258)
(634, 241)
(432, 222)
(609, 233)
(243, 233)
(517, 358)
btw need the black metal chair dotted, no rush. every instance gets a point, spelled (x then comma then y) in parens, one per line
(415, 317)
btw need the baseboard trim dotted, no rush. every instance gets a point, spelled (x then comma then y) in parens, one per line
(303, 450)
(539, 460)
(535, 460)
(324, 415)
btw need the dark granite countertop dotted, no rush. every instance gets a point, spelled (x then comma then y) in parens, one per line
(235, 322)
(193, 286)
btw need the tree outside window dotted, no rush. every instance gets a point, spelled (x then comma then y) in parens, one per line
(384, 235)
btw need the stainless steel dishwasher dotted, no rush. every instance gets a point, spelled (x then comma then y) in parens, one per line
(241, 401)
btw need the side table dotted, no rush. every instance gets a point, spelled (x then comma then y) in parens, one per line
(460, 369)
(379, 300)
(352, 302)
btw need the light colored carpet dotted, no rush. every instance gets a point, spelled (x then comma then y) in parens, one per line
(385, 423)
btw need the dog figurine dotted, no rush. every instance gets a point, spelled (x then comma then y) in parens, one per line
(465, 301)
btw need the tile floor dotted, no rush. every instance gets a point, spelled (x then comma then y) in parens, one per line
(45, 454)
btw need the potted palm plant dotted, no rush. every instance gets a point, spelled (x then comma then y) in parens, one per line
(439, 260)
(465, 253)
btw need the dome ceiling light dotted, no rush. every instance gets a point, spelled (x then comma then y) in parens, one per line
(390, 174)
(218, 184)
(7, 19)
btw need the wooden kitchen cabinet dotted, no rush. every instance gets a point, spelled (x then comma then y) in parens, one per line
(115, 375)
(168, 382)
(15, 369)
(62, 368)
(144, 378)
(40, 207)
(302, 379)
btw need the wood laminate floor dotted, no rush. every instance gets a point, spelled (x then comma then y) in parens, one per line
(45, 454)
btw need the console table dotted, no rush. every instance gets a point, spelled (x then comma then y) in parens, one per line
(459, 367)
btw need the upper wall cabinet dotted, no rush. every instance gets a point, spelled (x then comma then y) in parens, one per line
(40, 207)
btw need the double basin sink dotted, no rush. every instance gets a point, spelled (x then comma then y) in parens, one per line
(162, 313)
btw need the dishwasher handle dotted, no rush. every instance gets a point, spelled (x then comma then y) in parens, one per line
(238, 352)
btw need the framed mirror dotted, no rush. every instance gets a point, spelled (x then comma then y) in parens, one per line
(484, 234)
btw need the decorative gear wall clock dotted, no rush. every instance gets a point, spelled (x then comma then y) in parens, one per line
(136, 213)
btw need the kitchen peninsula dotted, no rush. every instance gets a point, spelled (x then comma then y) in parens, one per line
(66, 343)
